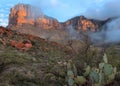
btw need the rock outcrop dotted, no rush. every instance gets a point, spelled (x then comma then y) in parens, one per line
(82, 23)
(22, 14)
(21, 45)
(6, 36)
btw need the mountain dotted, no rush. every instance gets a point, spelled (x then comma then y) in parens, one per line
(22, 14)
(82, 23)
(27, 19)
(25, 14)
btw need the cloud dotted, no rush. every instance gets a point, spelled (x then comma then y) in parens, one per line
(4, 13)
(108, 34)
(7, 8)
(9, 5)
(63, 10)
(3, 22)
(54, 2)
(4, 16)
(109, 8)
(111, 31)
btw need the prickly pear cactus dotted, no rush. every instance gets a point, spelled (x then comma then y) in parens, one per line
(87, 71)
(68, 66)
(105, 58)
(94, 75)
(101, 65)
(101, 78)
(107, 69)
(74, 70)
(70, 81)
(110, 78)
(115, 70)
(72, 77)
(80, 80)
(70, 74)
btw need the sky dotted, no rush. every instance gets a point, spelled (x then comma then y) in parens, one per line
(63, 10)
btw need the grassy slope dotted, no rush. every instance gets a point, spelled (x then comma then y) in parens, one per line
(36, 67)
(43, 64)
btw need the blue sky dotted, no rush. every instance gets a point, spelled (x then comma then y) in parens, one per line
(60, 9)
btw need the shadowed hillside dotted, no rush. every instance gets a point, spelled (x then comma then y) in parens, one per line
(26, 60)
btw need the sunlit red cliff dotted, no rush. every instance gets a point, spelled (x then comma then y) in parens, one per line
(22, 14)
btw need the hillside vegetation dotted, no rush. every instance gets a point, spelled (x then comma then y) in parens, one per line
(26, 60)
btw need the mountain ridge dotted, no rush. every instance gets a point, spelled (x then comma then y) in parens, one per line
(25, 14)
(23, 18)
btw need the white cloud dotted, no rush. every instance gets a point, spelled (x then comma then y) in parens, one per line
(54, 2)
(110, 8)
(7, 8)
(9, 5)
(3, 22)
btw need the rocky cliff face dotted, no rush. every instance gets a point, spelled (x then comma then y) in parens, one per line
(82, 23)
(22, 14)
